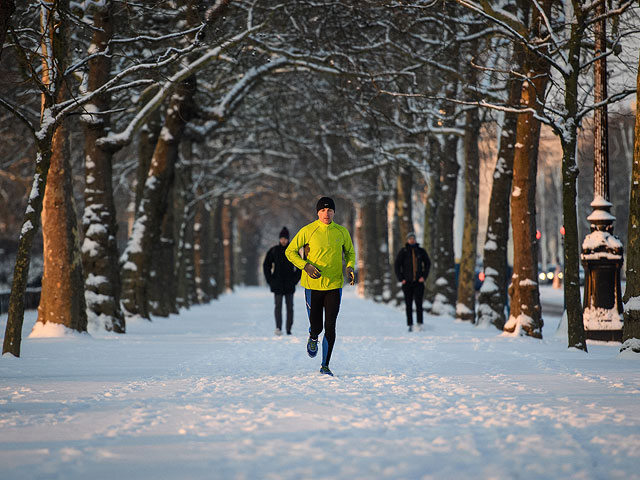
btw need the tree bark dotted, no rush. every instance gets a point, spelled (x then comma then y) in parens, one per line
(62, 296)
(361, 245)
(493, 293)
(163, 278)
(136, 259)
(53, 42)
(575, 325)
(525, 315)
(7, 7)
(430, 215)
(404, 202)
(227, 245)
(99, 248)
(445, 271)
(217, 246)
(15, 315)
(385, 273)
(184, 234)
(631, 299)
(466, 296)
(203, 252)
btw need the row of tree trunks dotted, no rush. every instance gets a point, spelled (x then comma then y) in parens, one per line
(99, 248)
(492, 300)
(136, 259)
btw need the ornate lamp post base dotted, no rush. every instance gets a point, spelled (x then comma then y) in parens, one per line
(602, 255)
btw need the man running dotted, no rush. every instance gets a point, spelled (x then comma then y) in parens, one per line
(323, 243)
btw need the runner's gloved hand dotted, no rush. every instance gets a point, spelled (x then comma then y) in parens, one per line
(312, 271)
(351, 275)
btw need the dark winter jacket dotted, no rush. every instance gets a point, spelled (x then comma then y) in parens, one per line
(281, 275)
(412, 263)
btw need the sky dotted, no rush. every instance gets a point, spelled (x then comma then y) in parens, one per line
(213, 393)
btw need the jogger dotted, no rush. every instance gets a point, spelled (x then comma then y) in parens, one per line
(324, 243)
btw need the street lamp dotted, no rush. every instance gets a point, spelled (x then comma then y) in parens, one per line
(601, 250)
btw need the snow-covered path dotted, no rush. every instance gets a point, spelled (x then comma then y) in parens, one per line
(212, 393)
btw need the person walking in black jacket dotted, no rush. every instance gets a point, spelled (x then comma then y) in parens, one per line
(282, 277)
(412, 267)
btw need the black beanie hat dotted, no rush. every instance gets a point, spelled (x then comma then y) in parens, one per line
(284, 233)
(325, 202)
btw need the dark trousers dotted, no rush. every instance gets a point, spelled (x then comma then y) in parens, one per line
(413, 292)
(278, 310)
(329, 302)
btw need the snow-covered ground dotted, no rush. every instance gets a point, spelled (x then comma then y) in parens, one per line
(213, 394)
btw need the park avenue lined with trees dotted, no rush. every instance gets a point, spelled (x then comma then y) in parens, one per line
(158, 147)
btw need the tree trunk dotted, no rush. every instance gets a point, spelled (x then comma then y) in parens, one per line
(203, 253)
(493, 293)
(404, 202)
(227, 244)
(184, 233)
(7, 7)
(147, 141)
(575, 326)
(136, 258)
(525, 316)
(396, 243)
(445, 270)
(371, 250)
(62, 296)
(217, 246)
(430, 216)
(381, 290)
(361, 246)
(55, 38)
(163, 279)
(631, 329)
(99, 248)
(466, 297)
(15, 315)
(248, 240)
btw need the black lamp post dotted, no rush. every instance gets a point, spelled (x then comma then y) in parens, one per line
(601, 250)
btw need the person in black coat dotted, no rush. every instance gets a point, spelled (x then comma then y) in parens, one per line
(282, 276)
(412, 267)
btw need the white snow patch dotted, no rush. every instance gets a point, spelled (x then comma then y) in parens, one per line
(51, 329)
(633, 304)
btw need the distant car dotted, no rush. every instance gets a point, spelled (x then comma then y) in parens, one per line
(547, 275)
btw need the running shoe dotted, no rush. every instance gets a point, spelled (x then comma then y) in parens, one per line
(325, 371)
(312, 347)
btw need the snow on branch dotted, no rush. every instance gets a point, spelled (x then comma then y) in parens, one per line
(125, 136)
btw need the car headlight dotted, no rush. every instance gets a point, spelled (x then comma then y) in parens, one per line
(550, 275)
(542, 276)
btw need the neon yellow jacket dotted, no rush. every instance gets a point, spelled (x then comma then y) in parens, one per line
(326, 244)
